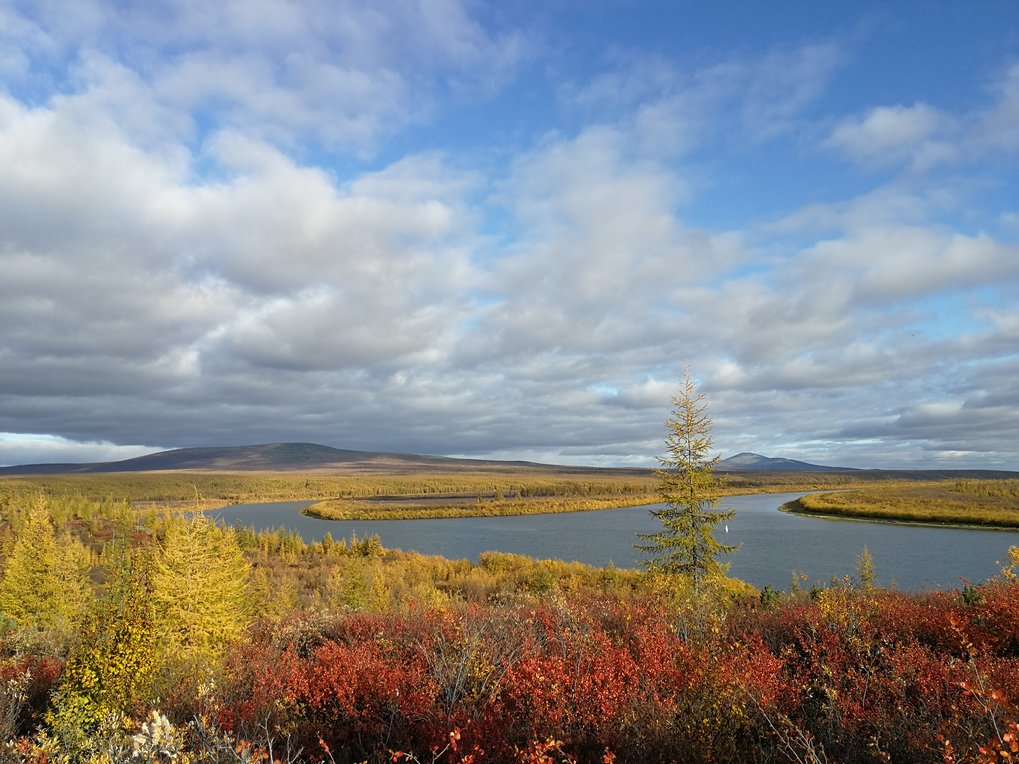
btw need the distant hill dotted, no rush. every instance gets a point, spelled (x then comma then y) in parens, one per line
(315, 458)
(747, 462)
(279, 457)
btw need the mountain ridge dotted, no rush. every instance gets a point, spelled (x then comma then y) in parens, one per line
(283, 457)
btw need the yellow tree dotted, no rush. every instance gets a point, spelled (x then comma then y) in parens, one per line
(865, 572)
(200, 588)
(689, 488)
(107, 674)
(45, 587)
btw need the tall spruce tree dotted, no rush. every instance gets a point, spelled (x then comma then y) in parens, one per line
(689, 489)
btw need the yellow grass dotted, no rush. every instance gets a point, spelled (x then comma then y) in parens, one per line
(983, 503)
(344, 509)
(402, 495)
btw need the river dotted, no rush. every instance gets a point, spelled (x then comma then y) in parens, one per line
(773, 543)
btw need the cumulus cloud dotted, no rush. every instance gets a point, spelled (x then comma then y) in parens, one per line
(126, 282)
(342, 74)
(213, 231)
(605, 262)
(888, 263)
(921, 137)
(896, 134)
(946, 426)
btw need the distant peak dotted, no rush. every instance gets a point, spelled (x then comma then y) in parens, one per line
(751, 462)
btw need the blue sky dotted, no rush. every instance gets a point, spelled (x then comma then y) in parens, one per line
(505, 229)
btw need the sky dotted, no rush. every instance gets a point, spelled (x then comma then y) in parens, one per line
(505, 229)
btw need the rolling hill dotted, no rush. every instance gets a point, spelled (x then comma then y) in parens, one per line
(749, 462)
(316, 458)
(273, 457)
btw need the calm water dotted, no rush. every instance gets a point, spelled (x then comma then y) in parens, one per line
(774, 543)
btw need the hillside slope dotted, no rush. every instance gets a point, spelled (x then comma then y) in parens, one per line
(273, 457)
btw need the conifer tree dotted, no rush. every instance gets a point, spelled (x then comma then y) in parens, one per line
(689, 489)
(865, 570)
(45, 588)
(200, 588)
(107, 673)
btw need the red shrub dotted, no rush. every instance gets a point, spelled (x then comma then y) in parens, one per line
(853, 674)
(995, 621)
(37, 676)
(360, 699)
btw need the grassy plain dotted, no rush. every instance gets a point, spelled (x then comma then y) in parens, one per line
(981, 503)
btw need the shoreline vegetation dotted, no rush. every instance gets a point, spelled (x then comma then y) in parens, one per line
(979, 504)
(510, 502)
(383, 495)
(456, 507)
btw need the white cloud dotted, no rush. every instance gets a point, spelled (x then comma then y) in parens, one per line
(922, 137)
(603, 244)
(998, 126)
(18, 449)
(673, 111)
(195, 249)
(885, 135)
(124, 282)
(341, 74)
(892, 204)
(886, 263)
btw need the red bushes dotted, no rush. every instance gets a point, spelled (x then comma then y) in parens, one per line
(25, 685)
(360, 696)
(996, 617)
(851, 673)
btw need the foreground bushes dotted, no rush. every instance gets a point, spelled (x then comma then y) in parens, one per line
(845, 675)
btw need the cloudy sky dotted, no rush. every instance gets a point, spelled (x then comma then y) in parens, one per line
(504, 228)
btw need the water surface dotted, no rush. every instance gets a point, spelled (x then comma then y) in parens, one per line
(774, 543)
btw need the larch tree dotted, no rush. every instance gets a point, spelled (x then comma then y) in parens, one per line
(45, 588)
(689, 488)
(865, 572)
(200, 588)
(108, 671)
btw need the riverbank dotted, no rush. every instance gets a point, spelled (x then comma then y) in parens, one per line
(343, 509)
(984, 505)
(490, 493)
(434, 507)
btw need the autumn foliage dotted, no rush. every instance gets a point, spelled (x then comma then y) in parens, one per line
(376, 656)
(844, 676)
